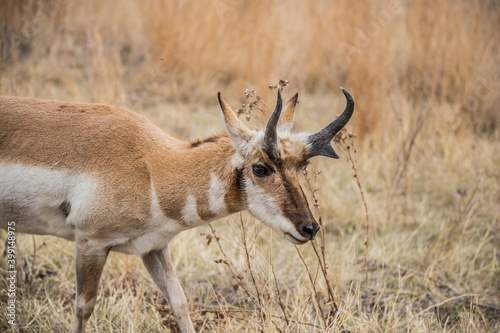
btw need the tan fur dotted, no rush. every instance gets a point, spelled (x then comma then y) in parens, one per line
(114, 144)
(135, 166)
(101, 140)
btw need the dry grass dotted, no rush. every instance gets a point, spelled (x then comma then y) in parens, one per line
(442, 52)
(425, 77)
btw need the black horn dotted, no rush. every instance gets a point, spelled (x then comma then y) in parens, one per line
(270, 143)
(321, 141)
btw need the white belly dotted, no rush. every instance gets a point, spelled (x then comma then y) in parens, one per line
(56, 202)
(42, 200)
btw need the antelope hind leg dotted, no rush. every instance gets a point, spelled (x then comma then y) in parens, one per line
(89, 262)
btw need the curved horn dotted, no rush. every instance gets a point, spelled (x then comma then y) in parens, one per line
(270, 143)
(320, 141)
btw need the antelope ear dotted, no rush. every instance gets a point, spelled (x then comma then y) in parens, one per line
(286, 121)
(239, 134)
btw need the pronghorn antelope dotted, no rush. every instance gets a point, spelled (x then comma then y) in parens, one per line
(110, 180)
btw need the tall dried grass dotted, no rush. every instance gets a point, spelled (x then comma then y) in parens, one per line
(425, 77)
(442, 52)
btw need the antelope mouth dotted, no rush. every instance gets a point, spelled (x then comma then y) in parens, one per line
(292, 239)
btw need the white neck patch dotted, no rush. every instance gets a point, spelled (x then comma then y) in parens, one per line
(189, 212)
(216, 195)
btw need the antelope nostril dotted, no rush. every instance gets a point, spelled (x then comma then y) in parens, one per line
(309, 230)
(316, 230)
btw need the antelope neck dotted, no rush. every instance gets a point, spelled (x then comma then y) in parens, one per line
(200, 183)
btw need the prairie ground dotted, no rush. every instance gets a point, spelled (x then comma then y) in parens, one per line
(419, 179)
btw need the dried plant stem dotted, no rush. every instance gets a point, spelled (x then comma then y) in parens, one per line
(221, 309)
(360, 187)
(230, 312)
(280, 301)
(250, 269)
(321, 256)
(324, 267)
(298, 322)
(441, 303)
(346, 142)
(338, 320)
(315, 292)
(256, 102)
(258, 301)
(229, 264)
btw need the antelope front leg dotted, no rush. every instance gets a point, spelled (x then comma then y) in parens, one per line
(160, 268)
(89, 261)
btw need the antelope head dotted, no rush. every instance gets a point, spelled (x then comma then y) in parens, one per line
(269, 163)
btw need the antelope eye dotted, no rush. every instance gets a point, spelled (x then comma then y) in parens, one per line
(260, 170)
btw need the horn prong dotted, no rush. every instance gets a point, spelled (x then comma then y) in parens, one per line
(320, 142)
(270, 142)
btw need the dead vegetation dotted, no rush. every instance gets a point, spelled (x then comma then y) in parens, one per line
(410, 243)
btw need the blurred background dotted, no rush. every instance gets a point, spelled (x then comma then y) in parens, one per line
(425, 76)
(387, 53)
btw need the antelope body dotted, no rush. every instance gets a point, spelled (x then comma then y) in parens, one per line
(110, 180)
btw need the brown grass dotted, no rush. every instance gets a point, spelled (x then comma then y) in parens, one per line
(425, 77)
(442, 52)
